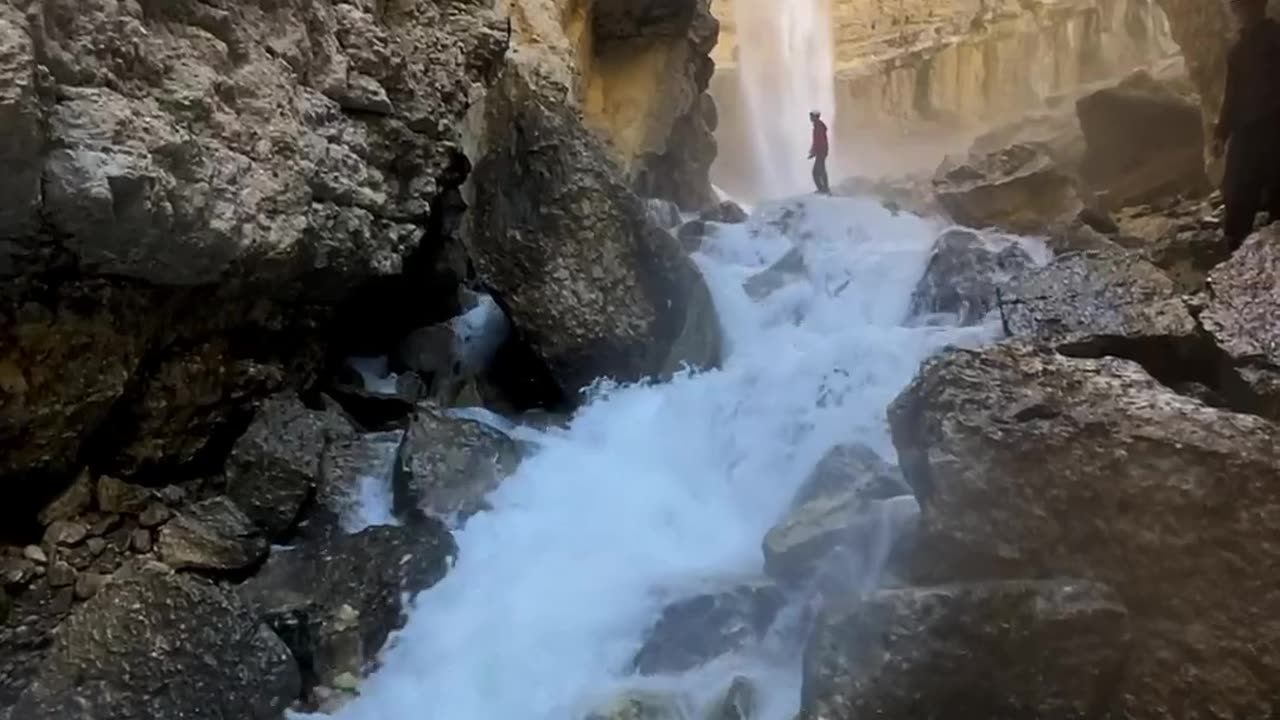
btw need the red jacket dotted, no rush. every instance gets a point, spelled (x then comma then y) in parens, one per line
(819, 148)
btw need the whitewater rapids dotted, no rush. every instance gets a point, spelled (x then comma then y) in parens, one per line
(657, 491)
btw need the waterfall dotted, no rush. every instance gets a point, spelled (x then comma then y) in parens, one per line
(786, 67)
(656, 491)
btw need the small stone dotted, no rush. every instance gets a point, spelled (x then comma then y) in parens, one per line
(105, 523)
(117, 496)
(79, 558)
(35, 554)
(70, 502)
(106, 563)
(346, 681)
(96, 545)
(65, 532)
(61, 574)
(16, 572)
(88, 584)
(155, 515)
(61, 604)
(142, 540)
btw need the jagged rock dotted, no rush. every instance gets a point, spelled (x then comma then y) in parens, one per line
(789, 268)
(70, 502)
(334, 601)
(663, 213)
(1031, 464)
(380, 404)
(739, 702)
(347, 466)
(696, 630)
(613, 295)
(117, 496)
(449, 354)
(1052, 649)
(448, 465)
(855, 468)
(638, 705)
(1078, 236)
(1243, 317)
(211, 535)
(35, 612)
(274, 466)
(1144, 142)
(727, 212)
(1094, 303)
(1019, 189)
(963, 273)
(158, 645)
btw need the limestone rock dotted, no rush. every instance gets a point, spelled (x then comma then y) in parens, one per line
(1144, 143)
(696, 630)
(594, 287)
(637, 705)
(211, 535)
(1031, 464)
(159, 645)
(1243, 317)
(1018, 189)
(1051, 649)
(963, 273)
(334, 601)
(448, 465)
(739, 702)
(274, 466)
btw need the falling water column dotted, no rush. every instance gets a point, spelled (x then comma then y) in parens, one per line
(786, 67)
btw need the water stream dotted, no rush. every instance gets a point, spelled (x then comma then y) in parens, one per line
(656, 491)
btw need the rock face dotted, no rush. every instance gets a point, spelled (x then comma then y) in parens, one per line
(191, 191)
(962, 276)
(1143, 142)
(1052, 649)
(594, 287)
(697, 630)
(448, 465)
(1019, 189)
(1029, 464)
(1243, 317)
(156, 644)
(335, 601)
(1204, 32)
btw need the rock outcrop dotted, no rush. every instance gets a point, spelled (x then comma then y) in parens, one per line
(1029, 464)
(1053, 649)
(963, 274)
(1019, 189)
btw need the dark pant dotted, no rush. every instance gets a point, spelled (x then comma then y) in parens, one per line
(820, 174)
(1251, 182)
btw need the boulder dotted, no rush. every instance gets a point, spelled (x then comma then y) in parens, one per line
(1143, 142)
(117, 496)
(274, 466)
(789, 268)
(696, 630)
(1029, 464)
(856, 468)
(1052, 649)
(963, 273)
(593, 286)
(211, 535)
(738, 703)
(354, 470)
(1019, 189)
(335, 601)
(726, 213)
(1243, 317)
(663, 213)
(638, 705)
(158, 645)
(447, 465)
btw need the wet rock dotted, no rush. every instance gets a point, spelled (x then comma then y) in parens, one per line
(70, 502)
(845, 533)
(1243, 317)
(274, 466)
(448, 465)
(739, 702)
(35, 554)
(692, 234)
(158, 645)
(1019, 189)
(335, 600)
(65, 532)
(1051, 649)
(663, 213)
(855, 468)
(962, 276)
(727, 212)
(638, 705)
(380, 404)
(789, 268)
(117, 496)
(155, 515)
(1031, 464)
(614, 295)
(348, 465)
(1143, 141)
(211, 535)
(697, 630)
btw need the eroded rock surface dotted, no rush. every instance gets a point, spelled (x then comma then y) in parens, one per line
(697, 630)
(448, 465)
(212, 535)
(963, 274)
(1019, 189)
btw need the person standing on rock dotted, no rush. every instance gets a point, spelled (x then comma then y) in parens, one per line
(1248, 128)
(818, 153)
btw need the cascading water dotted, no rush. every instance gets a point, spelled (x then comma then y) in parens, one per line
(786, 67)
(657, 491)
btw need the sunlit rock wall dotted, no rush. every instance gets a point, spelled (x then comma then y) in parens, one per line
(910, 72)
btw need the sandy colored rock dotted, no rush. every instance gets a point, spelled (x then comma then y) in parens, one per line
(1019, 189)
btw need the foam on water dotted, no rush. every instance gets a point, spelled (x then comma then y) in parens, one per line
(655, 491)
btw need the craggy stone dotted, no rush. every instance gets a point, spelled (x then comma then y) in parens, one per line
(963, 273)
(1051, 649)
(159, 645)
(1030, 464)
(448, 465)
(1019, 190)
(117, 496)
(1243, 317)
(696, 630)
(349, 462)
(211, 535)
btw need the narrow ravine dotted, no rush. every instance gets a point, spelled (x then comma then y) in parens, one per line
(654, 491)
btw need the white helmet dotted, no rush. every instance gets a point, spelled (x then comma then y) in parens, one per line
(815, 114)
